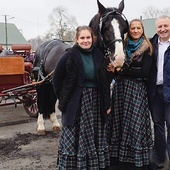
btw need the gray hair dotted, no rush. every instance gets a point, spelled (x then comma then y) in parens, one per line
(162, 17)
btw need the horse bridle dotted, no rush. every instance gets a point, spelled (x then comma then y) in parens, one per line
(106, 46)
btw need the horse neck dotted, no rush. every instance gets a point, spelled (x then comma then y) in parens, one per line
(100, 46)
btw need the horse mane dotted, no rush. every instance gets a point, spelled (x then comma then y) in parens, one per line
(94, 25)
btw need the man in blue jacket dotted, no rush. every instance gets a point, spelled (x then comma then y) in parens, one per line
(159, 90)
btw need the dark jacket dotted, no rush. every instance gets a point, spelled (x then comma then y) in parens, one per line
(140, 63)
(68, 82)
(153, 72)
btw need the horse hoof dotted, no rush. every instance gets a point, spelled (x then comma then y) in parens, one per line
(41, 132)
(56, 128)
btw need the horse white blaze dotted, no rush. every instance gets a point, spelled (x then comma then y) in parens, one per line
(119, 52)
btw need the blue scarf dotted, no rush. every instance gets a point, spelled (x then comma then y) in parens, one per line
(132, 46)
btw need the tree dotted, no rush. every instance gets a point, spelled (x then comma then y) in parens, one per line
(36, 42)
(62, 24)
(153, 12)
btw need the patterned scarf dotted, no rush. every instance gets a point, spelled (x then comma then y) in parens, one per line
(132, 46)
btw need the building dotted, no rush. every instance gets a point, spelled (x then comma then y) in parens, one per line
(14, 36)
(149, 26)
(10, 34)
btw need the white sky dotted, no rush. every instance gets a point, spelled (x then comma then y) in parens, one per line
(31, 16)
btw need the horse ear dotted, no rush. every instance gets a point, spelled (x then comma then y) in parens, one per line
(101, 8)
(121, 6)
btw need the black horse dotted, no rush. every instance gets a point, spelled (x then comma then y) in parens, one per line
(46, 57)
(109, 26)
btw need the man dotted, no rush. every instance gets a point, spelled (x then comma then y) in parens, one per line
(159, 90)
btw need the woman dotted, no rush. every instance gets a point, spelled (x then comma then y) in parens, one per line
(84, 103)
(131, 137)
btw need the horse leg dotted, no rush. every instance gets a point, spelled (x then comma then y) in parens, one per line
(54, 121)
(53, 118)
(40, 123)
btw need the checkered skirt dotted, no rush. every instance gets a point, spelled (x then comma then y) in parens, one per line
(84, 146)
(130, 130)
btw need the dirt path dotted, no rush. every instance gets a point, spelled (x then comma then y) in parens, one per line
(29, 152)
(21, 148)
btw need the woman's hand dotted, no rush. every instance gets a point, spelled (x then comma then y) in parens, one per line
(118, 61)
(110, 67)
(108, 111)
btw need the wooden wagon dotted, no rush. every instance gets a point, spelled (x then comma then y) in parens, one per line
(16, 80)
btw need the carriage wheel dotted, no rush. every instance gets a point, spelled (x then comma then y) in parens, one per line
(30, 104)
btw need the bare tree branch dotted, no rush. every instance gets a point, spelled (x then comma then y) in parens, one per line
(62, 23)
(153, 12)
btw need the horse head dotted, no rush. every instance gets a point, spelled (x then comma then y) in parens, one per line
(109, 26)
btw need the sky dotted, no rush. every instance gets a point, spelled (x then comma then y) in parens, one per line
(31, 16)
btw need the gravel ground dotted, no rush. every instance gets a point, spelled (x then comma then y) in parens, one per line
(21, 148)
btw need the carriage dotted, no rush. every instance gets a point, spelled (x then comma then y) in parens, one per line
(109, 26)
(16, 79)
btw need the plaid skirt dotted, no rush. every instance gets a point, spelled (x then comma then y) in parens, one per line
(84, 146)
(130, 125)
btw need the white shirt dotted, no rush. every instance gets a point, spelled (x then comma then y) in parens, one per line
(162, 47)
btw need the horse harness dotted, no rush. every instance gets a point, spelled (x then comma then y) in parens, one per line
(41, 67)
(107, 50)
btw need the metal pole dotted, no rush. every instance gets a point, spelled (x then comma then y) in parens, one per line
(6, 30)
(6, 33)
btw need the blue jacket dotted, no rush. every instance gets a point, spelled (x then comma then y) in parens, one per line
(153, 72)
